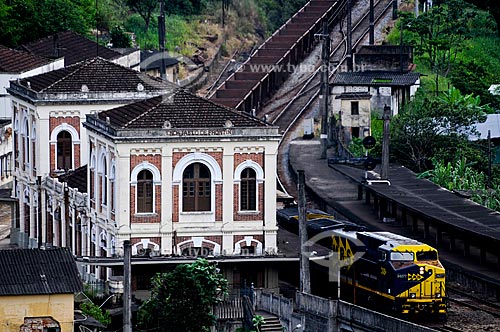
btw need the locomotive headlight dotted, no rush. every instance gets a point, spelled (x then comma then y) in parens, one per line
(422, 270)
(438, 295)
(413, 296)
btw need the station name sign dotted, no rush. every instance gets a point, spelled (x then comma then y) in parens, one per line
(199, 132)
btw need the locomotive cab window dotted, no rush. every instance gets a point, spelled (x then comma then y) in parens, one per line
(401, 256)
(382, 256)
(430, 255)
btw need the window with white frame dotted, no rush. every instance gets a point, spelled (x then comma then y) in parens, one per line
(145, 192)
(103, 173)
(248, 190)
(112, 177)
(196, 188)
(92, 168)
(248, 175)
(33, 145)
(26, 145)
(145, 177)
(64, 154)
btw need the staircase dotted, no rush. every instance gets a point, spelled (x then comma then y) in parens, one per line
(272, 324)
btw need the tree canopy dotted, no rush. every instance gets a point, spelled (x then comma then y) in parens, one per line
(26, 20)
(182, 300)
(438, 34)
(433, 126)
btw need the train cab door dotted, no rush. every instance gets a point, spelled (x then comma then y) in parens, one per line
(383, 276)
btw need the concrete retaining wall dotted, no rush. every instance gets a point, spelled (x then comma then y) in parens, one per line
(315, 313)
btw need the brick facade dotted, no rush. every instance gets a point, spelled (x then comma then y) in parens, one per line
(135, 240)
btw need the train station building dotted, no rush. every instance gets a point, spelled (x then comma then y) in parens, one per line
(128, 157)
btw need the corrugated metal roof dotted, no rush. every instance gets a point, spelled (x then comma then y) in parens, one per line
(376, 78)
(38, 272)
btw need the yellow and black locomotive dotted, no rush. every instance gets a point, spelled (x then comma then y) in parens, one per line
(381, 270)
(394, 271)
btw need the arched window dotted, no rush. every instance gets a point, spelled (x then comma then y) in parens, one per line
(248, 190)
(26, 144)
(145, 192)
(33, 148)
(112, 189)
(196, 188)
(104, 180)
(64, 150)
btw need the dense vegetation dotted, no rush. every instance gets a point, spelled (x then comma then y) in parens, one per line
(188, 22)
(26, 20)
(457, 47)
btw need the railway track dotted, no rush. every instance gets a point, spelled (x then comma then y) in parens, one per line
(466, 299)
(309, 91)
(461, 307)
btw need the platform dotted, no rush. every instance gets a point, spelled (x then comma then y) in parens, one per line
(463, 231)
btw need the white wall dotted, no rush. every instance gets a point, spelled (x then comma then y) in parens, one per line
(5, 78)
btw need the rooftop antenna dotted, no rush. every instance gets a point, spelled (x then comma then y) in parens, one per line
(97, 29)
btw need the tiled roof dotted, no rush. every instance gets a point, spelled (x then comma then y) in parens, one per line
(76, 179)
(94, 75)
(182, 109)
(36, 272)
(72, 46)
(14, 61)
(376, 78)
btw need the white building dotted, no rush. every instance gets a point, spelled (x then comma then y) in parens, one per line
(175, 174)
(47, 115)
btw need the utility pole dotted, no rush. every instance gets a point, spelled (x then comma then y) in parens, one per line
(349, 36)
(223, 13)
(394, 9)
(305, 278)
(372, 24)
(325, 89)
(489, 159)
(66, 217)
(161, 39)
(385, 143)
(96, 29)
(127, 290)
(416, 8)
(39, 212)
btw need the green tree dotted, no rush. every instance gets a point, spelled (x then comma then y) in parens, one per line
(182, 300)
(119, 38)
(492, 7)
(439, 34)
(27, 20)
(430, 126)
(144, 8)
(473, 78)
(93, 310)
